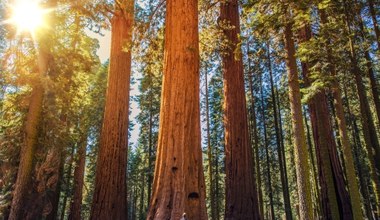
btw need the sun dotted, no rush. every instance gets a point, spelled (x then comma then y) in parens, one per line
(27, 15)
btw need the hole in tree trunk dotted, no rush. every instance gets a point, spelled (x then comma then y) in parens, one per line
(193, 195)
(174, 169)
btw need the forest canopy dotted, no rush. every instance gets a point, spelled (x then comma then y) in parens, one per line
(221, 109)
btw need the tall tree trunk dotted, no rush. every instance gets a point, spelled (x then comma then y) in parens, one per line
(209, 153)
(359, 159)
(315, 174)
(217, 192)
(335, 198)
(342, 128)
(142, 211)
(67, 181)
(255, 136)
(150, 143)
(282, 145)
(24, 174)
(241, 190)
(109, 201)
(266, 146)
(179, 185)
(76, 201)
(300, 148)
(281, 161)
(369, 130)
(371, 74)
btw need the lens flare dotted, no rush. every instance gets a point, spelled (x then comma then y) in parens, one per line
(27, 16)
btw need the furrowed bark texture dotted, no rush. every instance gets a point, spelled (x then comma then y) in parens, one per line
(109, 200)
(241, 190)
(335, 198)
(179, 185)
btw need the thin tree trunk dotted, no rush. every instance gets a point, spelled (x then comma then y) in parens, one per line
(369, 130)
(110, 202)
(300, 148)
(217, 196)
(359, 159)
(266, 145)
(315, 173)
(241, 190)
(342, 128)
(150, 143)
(282, 145)
(76, 201)
(371, 74)
(281, 161)
(142, 211)
(179, 185)
(255, 137)
(209, 153)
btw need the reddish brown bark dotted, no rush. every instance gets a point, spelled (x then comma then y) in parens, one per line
(76, 201)
(179, 185)
(109, 200)
(241, 190)
(335, 198)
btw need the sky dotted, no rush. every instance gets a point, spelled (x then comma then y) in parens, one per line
(104, 54)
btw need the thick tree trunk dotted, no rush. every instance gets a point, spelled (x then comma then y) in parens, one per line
(76, 201)
(300, 148)
(281, 161)
(109, 201)
(335, 198)
(179, 185)
(241, 194)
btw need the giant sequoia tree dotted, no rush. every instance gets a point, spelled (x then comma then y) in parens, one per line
(178, 185)
(109, 200)
(241, 190)
(62, 154)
